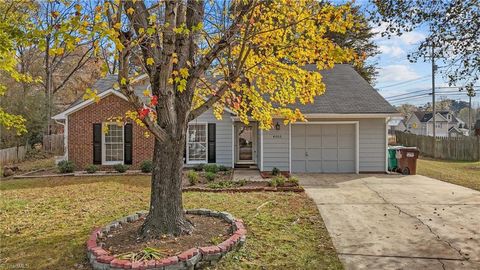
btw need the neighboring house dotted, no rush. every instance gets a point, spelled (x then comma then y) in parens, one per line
(396, 124)
(477, 128)
(447, 124)
(346, 132)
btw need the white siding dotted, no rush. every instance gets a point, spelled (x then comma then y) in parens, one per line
(372, 145)
(223, 129)
(275, 148)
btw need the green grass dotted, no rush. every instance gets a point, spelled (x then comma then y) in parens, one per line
(44, 223)
(465, 174)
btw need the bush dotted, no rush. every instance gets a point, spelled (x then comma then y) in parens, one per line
(213, 168)
(275, 171)
(91, 168)
(293, 180)
(120, 168)
(66, 166)
(277, 181)
(192, 177)
(146, 166)
(222, 168)
(198, 167)
(210, 176)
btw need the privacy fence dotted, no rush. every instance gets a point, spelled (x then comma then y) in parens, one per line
(53, 144)
(452, 148)
(12, 154)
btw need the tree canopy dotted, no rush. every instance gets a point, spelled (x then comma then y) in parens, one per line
(452, 28)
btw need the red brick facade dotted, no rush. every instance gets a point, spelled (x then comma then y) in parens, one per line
(80, 132)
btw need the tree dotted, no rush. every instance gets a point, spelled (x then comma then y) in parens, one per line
(360, 39)
(67, 46)
(12, 35)
(407, 109)
(246, 55)
(452, 29)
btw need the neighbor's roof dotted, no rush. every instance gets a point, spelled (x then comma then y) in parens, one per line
(426, 116)
(346, 93)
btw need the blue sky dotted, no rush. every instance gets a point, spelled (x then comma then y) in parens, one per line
(400, 81)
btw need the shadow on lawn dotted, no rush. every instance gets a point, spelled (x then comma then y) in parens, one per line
(13, 184)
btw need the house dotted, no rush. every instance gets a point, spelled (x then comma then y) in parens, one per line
(346, 132)
(396, 124)
(447, 124)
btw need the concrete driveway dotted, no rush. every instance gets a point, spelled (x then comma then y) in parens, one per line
(398, 222)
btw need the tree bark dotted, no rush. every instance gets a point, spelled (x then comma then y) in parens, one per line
(166, 215)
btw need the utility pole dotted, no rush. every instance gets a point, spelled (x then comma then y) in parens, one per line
(470, 93)
(433, 99)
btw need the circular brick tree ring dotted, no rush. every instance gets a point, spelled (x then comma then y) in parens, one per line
(101, 259)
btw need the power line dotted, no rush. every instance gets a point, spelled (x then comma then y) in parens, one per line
(404, 82)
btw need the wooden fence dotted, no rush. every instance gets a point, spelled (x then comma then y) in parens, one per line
(12, 154)
(452, 148)
(53, 144)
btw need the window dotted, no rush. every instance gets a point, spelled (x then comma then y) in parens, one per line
(197, 143)
(438, 124)
(113, 144)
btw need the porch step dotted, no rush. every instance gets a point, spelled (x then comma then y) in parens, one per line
(246, 166)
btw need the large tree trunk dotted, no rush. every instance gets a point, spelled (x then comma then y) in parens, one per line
(166, 214)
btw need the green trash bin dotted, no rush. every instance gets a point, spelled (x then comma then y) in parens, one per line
(392, 159)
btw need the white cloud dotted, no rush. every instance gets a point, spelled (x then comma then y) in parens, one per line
(411, 38)
(396, 73)
(394, 51)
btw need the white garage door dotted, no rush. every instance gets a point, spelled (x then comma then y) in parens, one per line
(323, 148)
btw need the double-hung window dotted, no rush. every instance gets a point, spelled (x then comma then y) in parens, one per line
(113, 144)
(197, 143)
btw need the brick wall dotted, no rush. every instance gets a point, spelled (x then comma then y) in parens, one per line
(80, 132)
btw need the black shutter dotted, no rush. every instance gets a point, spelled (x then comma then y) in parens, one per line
(127, 150)
(97, 143)
(211, 143)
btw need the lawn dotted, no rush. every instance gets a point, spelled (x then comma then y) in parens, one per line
(285, 230)
(465, 174)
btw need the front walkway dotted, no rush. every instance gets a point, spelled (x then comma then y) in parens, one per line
(398, 222)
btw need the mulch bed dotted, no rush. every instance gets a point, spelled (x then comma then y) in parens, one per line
(208, 231)
(249, 186)
(266, 175)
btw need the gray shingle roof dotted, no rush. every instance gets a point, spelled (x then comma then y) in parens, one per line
(346, 93)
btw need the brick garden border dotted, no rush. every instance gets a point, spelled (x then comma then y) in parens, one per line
(296, 189)
(100, 259)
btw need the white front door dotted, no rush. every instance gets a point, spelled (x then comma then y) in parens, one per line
(246, 143)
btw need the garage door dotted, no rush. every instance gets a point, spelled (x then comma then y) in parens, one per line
(323, 148)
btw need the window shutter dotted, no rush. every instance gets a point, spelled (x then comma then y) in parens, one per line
(211, 143)
(127, 143)
(97, 143)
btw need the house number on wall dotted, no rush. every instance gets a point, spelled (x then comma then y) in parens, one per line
(277, 136)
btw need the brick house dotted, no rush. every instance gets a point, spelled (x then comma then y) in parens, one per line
(346, 132)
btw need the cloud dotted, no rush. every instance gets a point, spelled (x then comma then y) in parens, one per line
(396, 73)
(394, 51)
(411, 38)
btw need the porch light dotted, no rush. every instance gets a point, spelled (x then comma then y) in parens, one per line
(277, 126)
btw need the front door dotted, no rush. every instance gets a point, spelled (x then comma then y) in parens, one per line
(246, 136)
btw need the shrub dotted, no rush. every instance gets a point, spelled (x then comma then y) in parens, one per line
(293, 180)
(91, 168)
(277, 181)
(213, 168)
(146, 166)
(120, 168)
(275, 171)
(66, 166)
(192, 177)
(222, 168)
(210, 176)
(198, 167)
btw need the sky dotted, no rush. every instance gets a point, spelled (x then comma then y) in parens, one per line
(400, 81)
